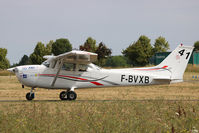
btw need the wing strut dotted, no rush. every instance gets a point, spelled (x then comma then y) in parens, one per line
(54, 80)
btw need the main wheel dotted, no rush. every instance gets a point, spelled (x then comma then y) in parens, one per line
(63, 95)
(71, 95)
(30, 96)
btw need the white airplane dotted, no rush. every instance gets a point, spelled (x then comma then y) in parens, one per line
(73, 70)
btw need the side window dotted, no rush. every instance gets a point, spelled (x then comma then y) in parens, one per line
(68, 67)
(82, 67)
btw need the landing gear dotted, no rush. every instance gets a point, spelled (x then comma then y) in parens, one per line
(71, 95)
(30, 95)
(63, 95)
(68, 95)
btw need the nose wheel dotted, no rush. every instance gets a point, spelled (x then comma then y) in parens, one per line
(68, 95)
(30, 95)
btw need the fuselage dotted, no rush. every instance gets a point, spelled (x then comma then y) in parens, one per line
(74, 70)
(42, 77)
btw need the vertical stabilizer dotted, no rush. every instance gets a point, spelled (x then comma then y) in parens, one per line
(177, 62)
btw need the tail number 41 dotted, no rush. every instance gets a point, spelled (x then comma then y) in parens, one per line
(181, 52)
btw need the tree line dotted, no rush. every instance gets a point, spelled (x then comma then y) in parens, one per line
(136, 54)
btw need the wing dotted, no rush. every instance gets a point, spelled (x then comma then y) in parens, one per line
(77, 57)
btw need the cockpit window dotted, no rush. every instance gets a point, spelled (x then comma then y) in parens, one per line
(47, 64)
(83, 67)
(68, 67)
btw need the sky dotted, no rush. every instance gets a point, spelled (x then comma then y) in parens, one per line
(116, 23)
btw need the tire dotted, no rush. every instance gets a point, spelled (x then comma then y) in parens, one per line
(71, 95)
(63, 95)
(29, 96)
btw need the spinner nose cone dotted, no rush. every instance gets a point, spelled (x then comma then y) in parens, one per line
(13, 70)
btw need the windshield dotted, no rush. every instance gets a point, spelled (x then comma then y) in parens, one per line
(46, 63)
(93, 66)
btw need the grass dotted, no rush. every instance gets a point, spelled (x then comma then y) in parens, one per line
(4, 73)
(101, 116)
(159, 108)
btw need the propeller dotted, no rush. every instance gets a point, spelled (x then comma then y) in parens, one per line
(12, 70)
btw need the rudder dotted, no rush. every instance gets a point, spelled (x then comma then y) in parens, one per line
(176, 62)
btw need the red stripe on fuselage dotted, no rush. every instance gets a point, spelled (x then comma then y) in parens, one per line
(153, 68)
(95, 83)
(164, 66)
